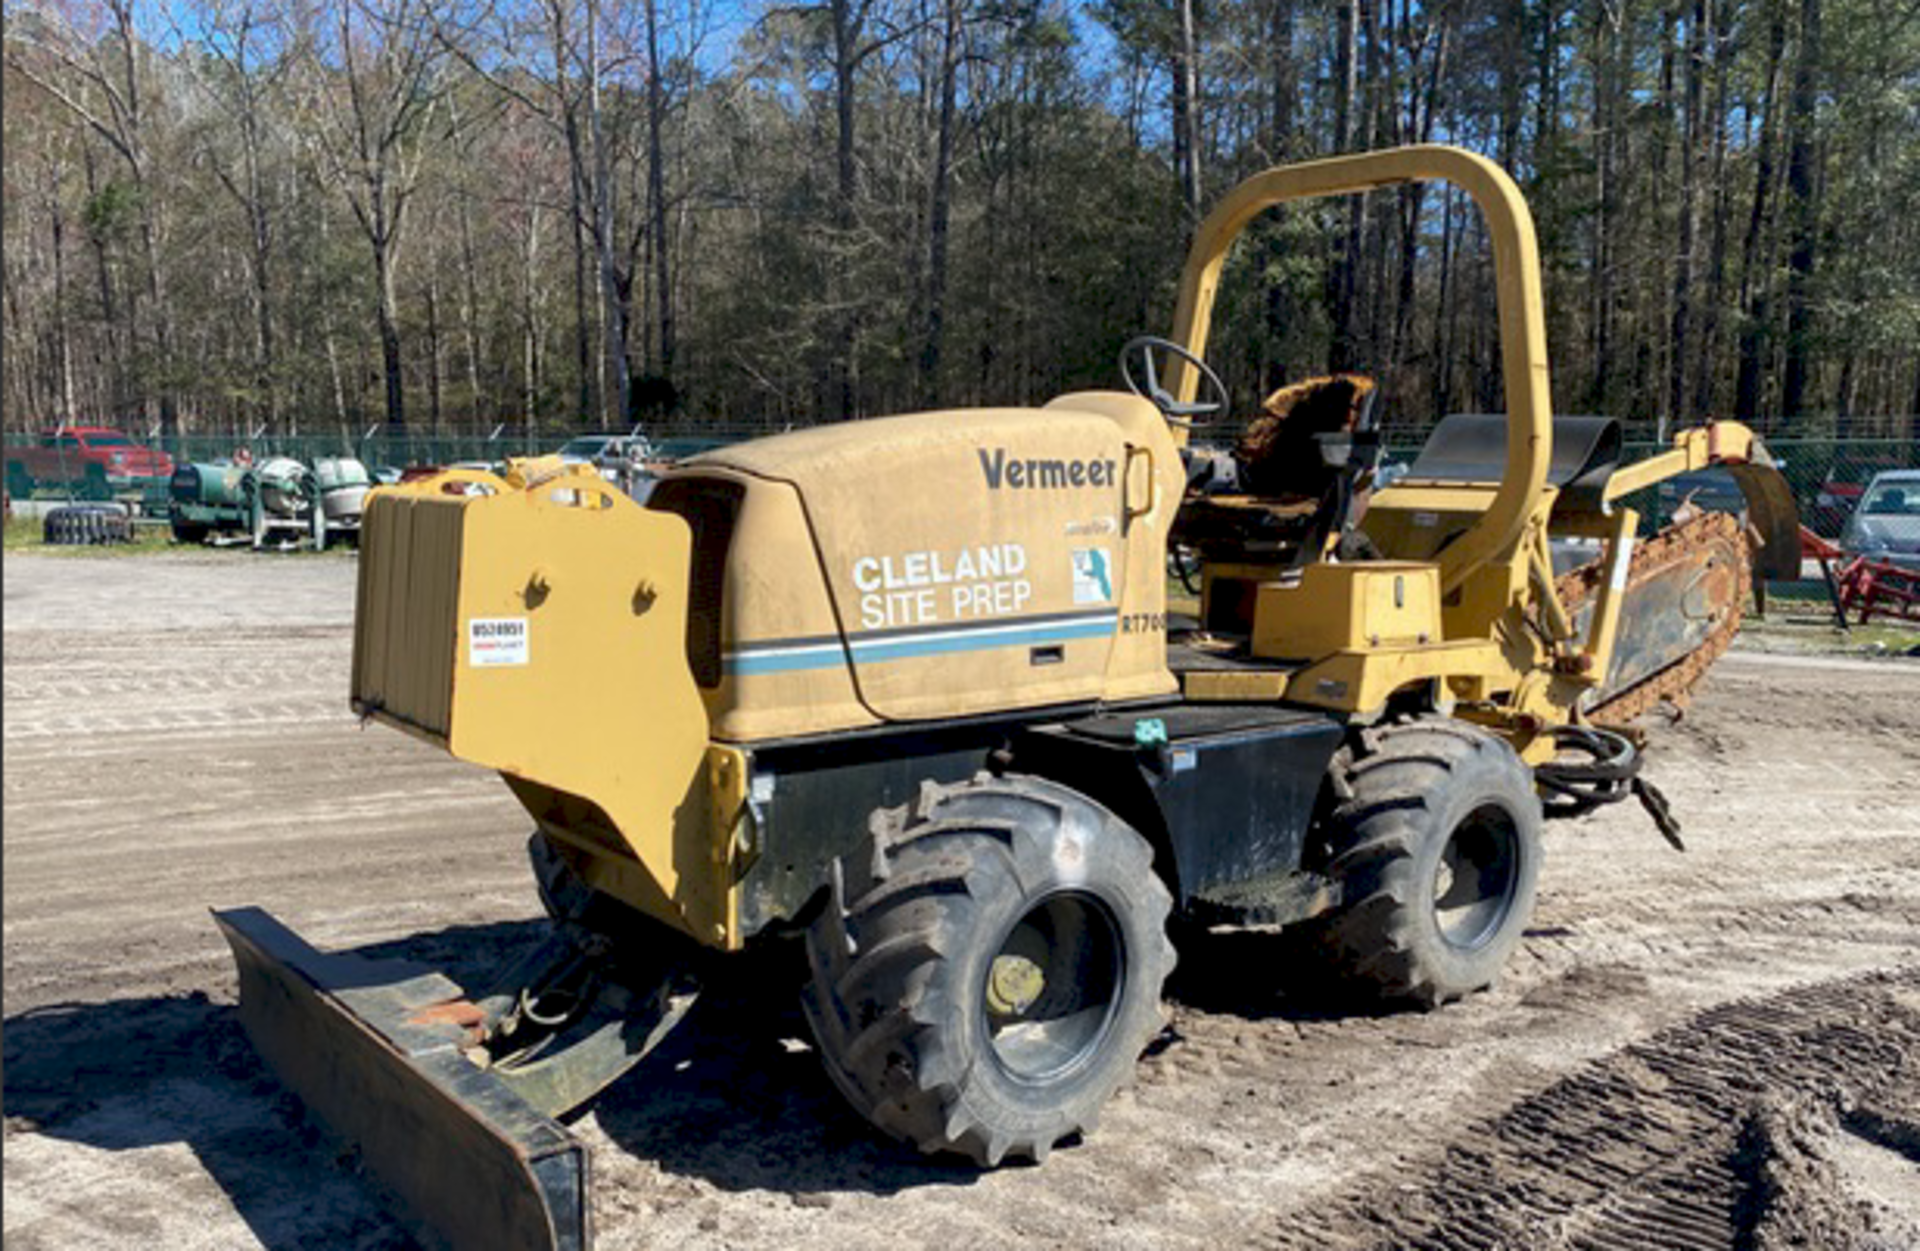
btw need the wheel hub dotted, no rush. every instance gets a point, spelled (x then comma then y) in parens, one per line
(1013, 985)
(1053, 988)
(1476, 877)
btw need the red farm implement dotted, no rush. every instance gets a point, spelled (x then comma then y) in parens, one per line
(1862, 585)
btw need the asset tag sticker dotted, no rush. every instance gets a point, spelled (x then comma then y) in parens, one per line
(494, 641)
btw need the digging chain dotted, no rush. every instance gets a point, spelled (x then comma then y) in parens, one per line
(1674, 684)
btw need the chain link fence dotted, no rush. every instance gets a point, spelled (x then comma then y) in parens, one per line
(82, 465)
(1827, 475)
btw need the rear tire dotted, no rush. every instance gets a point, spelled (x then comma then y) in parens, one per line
(988, 968)
(1437, 848)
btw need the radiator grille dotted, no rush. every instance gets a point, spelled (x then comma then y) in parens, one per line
(405, 626)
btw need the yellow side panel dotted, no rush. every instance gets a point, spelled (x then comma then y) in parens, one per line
(1362, 681)
(775, 591)
(972, 561)
(569, 670)
(949, 590)
(542, 632)
(1348, 607)
(1412, 522)
(1399, 605)
(1154, 485)
(1228, 686)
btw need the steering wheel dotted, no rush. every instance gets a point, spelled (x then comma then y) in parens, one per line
(1175, 411)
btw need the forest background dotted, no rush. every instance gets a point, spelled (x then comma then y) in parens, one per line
(467, 215)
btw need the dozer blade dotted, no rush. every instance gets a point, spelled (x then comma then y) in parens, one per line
(1686, 589)
(375, 1048)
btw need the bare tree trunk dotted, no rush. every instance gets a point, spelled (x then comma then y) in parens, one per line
(1689, 210)
(1848, 390)
(1705, 375)
(390, 358)
(1546, 123)
(261, 253)
(1804, 206)
(63, 341)
(1652, 370)
(1513, 22)
(133, 128)
(940, 209)
(334, 372)
(119, 337)
(529, 321)
(1280, 146)
(1756, 281)
(577, 196)
(1606, 141)
(20, 375)
(1443, 318)
(433, 332)
(1186, 112)
(330, 343)
(849, 16)
(469, 310)
(1341, 352)
(1422, 102)
(1284, 82)
(657, 195)
(582, 323)
(617, 394)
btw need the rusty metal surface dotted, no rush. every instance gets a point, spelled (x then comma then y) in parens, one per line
(1686, 590)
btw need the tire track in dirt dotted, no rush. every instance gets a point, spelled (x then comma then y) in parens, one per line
(1643, 1148)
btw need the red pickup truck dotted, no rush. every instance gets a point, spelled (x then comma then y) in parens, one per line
(92, 460)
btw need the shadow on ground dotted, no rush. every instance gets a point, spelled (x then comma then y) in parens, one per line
(738, 1098)
(135, 1074)
(734, 1098)
(1261, 975)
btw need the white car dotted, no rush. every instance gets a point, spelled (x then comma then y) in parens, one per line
(1886, 524)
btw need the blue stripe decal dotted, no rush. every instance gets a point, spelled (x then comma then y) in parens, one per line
(783, 662)
(985, 638)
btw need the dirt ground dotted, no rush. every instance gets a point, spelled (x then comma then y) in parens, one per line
(1712, 1049)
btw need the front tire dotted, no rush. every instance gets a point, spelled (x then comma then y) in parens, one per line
(988, 968)
(1436, 844)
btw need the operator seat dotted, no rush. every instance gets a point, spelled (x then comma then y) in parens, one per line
(1303, 471)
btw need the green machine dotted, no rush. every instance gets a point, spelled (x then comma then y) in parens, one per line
(225, 502)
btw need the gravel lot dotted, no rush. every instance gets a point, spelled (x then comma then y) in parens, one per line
(1715, 1049)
